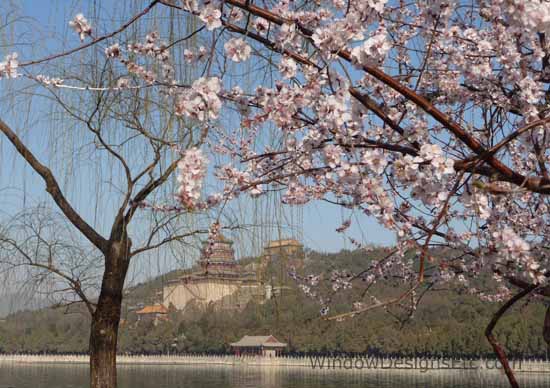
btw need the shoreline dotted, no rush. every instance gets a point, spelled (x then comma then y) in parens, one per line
(314, 363)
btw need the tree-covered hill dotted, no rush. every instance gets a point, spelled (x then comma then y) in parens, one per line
(446, 323)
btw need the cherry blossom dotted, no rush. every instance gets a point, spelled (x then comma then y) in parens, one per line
(287, 67)
(375, 160)
(8, 68)
(236, 14)
(123, 83)
(113, 51)
(213, 233)
(211, 17)
(261, 25)
(237, 50)
(191, 173)
(81, 26)
(374, 49)
(201, 101)
(45, 80)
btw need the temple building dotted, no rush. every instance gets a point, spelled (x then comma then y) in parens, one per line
(266, 346)
(219, 279)
(154, 313)
(278, 259)
(288, 248)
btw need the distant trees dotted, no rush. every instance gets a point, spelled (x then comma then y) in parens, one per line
(297, 321)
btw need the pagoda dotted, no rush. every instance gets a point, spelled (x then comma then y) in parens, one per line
(218, 257)
(217, 277)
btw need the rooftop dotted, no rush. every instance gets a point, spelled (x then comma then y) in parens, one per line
(220, 238)
(258, 341)
(154, 309)
(283, 243)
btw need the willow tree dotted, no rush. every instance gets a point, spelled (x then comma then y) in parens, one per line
(116, 143)
(429, 117)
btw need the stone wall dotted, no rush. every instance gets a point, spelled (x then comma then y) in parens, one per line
(330, 364)
(203, 291)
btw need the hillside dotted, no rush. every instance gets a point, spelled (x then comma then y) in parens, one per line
(445, 323)
(12, 302)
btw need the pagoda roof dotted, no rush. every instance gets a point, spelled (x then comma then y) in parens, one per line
(220, 238)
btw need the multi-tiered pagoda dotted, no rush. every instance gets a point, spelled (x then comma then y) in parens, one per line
(217, 277)
(218, 257)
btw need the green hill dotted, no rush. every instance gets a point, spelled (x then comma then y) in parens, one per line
(446, 322)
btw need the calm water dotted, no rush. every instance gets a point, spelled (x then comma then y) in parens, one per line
(75, 376)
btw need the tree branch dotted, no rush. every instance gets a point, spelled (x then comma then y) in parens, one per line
(52, 187)
(493, 341)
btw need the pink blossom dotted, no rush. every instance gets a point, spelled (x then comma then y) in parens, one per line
(211, 17)
(373, 50)
(201, 101)
(287, 67)
(113, 51)
(237, 50)
(236, 14)
(191, 173)
(81, 26)
(45, 80)
(375, 161)
(8, 68)
(261, 25)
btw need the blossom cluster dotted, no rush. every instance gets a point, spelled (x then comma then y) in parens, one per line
(213, 233)
(8, 68)
(81, 26)
(237, 50)
(191, 172)
(201, 101)
(53, 81)
(191, 56)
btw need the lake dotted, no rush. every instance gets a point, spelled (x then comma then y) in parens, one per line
(75, 376)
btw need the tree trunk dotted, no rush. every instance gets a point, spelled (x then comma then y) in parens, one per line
(546, 330)
(103, 345)
(106, 318)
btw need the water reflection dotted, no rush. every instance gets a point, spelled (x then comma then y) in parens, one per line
(76, 376)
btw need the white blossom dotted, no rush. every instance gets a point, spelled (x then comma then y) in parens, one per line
(191, 170)
(237, 50)
(201, 101)
(211, 17)
(8, 68)
(81, 26)
(287, 67)
(261, 25)
(375, 161)
(113, 51)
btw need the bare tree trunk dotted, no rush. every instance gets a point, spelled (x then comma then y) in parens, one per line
(103, 345)
(497, 348)
(105, 321)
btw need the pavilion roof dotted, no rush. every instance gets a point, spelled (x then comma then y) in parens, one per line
(253, 341)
